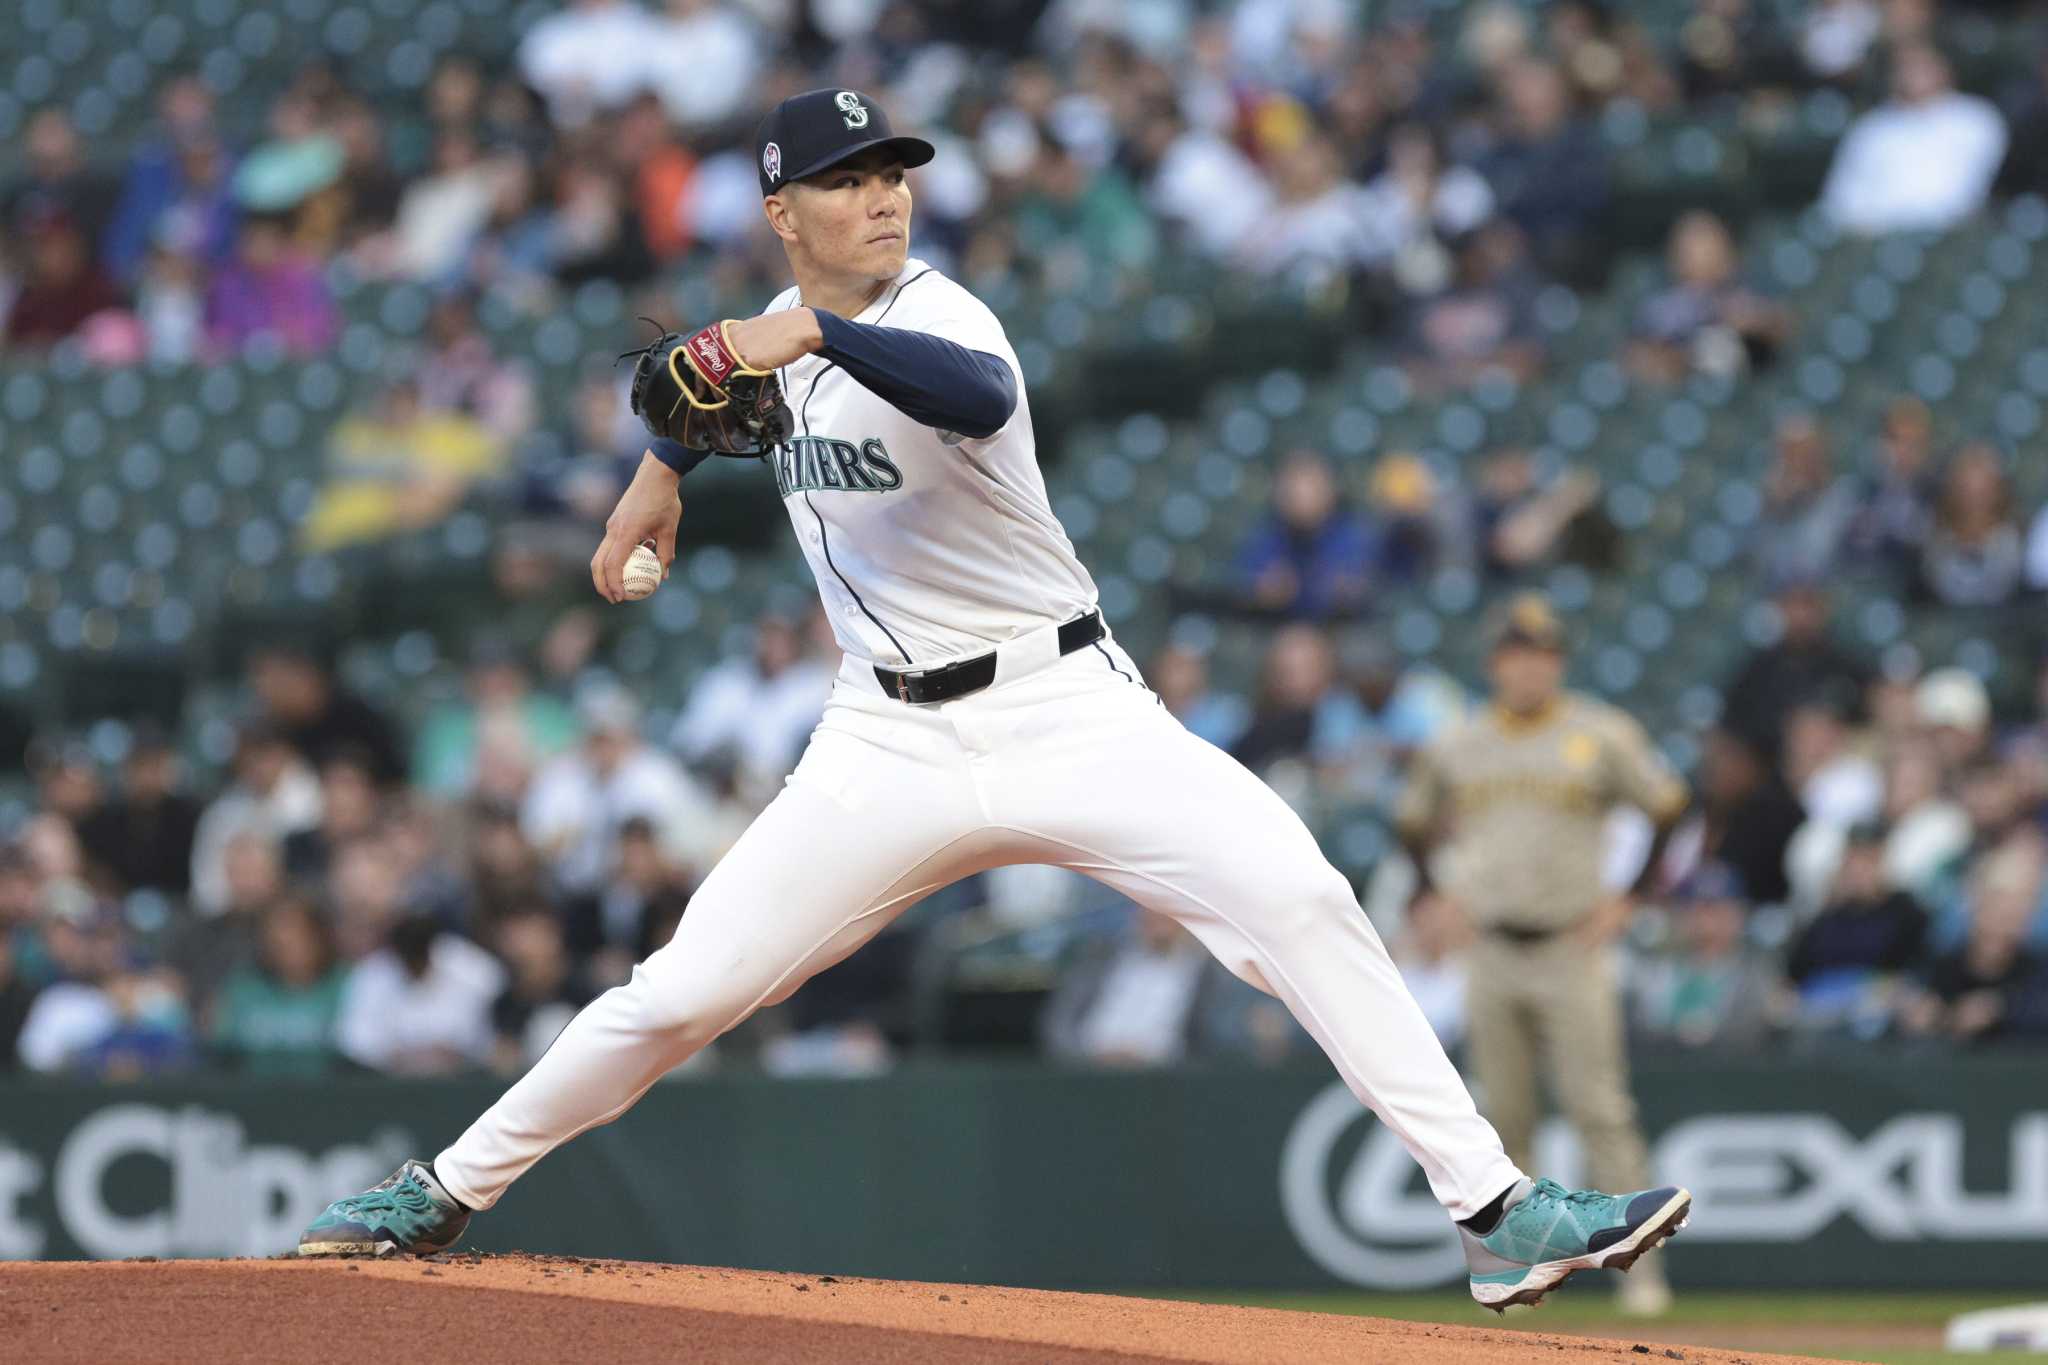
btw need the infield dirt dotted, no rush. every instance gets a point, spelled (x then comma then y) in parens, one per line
(512, 1310)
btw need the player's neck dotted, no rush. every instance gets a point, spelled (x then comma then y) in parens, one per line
(847, 296)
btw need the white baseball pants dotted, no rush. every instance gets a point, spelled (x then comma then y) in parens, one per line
(1069, 761)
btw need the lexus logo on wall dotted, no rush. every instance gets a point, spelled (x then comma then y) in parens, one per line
(1352, 1195)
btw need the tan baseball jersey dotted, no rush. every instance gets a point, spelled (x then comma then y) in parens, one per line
(1524, 803)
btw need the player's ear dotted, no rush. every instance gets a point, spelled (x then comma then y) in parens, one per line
(776, 208)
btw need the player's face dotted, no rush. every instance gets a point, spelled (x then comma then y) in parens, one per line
(1526, 678)
(854, 220)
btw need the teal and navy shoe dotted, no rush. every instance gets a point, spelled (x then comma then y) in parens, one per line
(410, 1212)
(1548, 1233)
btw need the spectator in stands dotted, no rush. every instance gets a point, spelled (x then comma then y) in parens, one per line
(540, 996)
(1974, 556)
(1808, 511)
(1088, 213)
(1900, 492)
(460, 374)
(1298, 674)
(1868, 931)
(421, 1005)
(1805, 662)
(1970, 991)
(170, 303)
(271, 291)
(1369, 725)
(351, 808)
(204, 949)
(1837, 783)
(1526, 518)
(440, 214)
(595, 231)
(502, 725)
(62, 286)
(1312, 233)
(1923, 162)
(1413, 215)
(1179, 676)
(513, 253)
(619, 924)
(365, 896)
(1747, 815)
(591, 56)
(1930, 831)
(1837, 35)
(1135, 1003)
(84, 947)
(147, 1028)
(1430, 952)
(274, 793)
(1420, 523)
(317, 716)
(718, 41)
(1712, 989)
(1707, 319)
(1311, 556)
(1200, 185)
(57, 180)
(580, 802)
(402, 467)
(1728, 48)
(67, 779)
(177, 187)
(276, 1015)
(1485, 322)
(1548, 171)
(661, 173)
(759, 709)
(1954, 711)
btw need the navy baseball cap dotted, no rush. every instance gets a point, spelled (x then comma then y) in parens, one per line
(818, 129)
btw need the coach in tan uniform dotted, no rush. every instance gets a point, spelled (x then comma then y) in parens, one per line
(1512, 808)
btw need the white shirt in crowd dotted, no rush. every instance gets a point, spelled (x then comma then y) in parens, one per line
(292, 805)
(1922, 167)
(765, 722)
(574, 814)
(65, 1020)
(1142, 1010)
(386, 1014)
(703, 65)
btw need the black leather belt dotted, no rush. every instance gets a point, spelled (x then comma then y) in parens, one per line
(971, 675)
(1522, 934)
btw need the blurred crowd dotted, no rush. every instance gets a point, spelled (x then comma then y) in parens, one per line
(1930, 522)
(1865, 857)
(422, 894)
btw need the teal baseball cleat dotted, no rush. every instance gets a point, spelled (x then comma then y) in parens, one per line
(1549, 1233)
(410, 1212)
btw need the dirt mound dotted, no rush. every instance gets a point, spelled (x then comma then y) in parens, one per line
(510, 1310)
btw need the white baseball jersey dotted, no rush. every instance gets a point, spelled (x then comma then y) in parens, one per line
(927, 546)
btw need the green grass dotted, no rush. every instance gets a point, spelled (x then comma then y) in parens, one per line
(1835, 1324)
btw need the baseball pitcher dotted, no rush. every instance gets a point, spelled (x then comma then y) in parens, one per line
(984, 715)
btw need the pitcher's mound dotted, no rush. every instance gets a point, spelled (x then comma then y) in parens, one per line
(512, 1310)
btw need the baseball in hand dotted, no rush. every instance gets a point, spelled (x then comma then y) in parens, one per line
(643, 571)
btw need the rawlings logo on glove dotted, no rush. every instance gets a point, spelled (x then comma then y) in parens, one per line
(697, 391)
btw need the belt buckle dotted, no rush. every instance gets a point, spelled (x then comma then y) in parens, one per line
(903, 687)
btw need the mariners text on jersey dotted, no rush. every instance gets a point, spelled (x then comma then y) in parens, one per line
(819, 462)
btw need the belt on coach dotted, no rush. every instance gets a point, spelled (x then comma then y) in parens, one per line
(1525, 935)
(971, 675)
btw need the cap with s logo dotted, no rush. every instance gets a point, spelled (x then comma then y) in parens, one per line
(814, 131)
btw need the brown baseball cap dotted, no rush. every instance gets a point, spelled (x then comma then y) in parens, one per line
(1526, 619)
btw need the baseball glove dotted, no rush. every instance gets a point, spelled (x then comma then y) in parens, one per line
(697, 390)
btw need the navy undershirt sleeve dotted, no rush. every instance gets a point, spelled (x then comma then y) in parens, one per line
(928, 379)
(676, 455)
